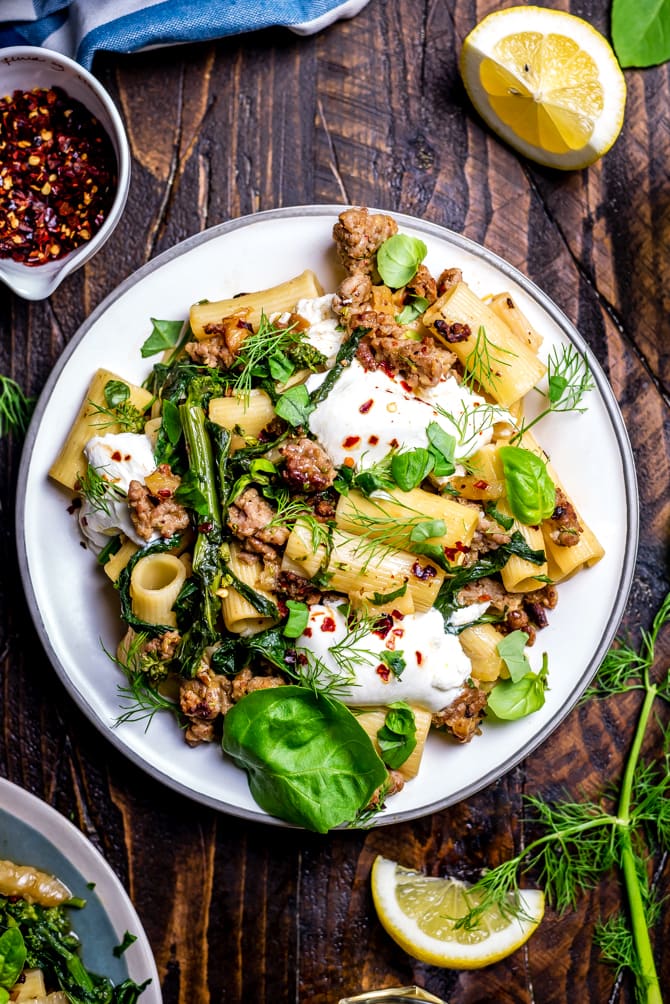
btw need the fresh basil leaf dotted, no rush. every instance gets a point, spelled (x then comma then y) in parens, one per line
(260, 469)
(12, 956)
(426, 529)
(641, 32)
(510, 700)
(171, 422)
(298, 619)
(280, 366)
(164, 335)
(308, 760)
(397, 736)
(116, 392)
(398, 259)
(379, 599)
(530, 491)
(511, 650)
(442, 447)
(294, 405)
(395, 661)
(415, 308)
(409, 469)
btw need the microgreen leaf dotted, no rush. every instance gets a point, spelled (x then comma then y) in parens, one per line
(511, 650)
(442, 447)
(511, 699)
(408, 469)
(397, 736)
(415, 308)
(398, 259)
(294, 405)
(395, 661)
(116, 392)
(298, 618)
(164, 335)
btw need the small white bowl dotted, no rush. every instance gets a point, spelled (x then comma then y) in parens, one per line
(25, 67)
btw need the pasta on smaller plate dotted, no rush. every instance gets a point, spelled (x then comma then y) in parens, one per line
(332, 523)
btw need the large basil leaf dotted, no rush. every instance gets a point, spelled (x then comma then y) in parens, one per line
(512, 699)
(530, 491)
(308, 760)
(641, 31)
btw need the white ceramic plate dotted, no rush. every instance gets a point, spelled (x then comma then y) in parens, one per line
(32, 833)
(75, 609)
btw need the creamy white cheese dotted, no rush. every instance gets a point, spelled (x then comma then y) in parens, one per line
(367, 414)
(468, 615)
(436, 666)
(119, 458)
(323, 331)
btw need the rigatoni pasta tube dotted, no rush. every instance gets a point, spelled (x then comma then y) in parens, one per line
(519, 575)
(394, 515)
(155, 582)
(71, 462)
(356, 569)
(501, 363)
(479, 642)
(239, 615)
(276, 299)
(250, 412)
(507, 310)
(118, 561)
(372, 720)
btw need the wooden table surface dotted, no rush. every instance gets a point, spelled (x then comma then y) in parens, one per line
(369, 112)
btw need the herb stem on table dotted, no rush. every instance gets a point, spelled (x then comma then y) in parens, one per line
(583, 841)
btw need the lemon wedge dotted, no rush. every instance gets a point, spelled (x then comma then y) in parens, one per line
(419, 913)
(547, 83)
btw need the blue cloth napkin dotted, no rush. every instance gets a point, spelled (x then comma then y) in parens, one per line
(78, 28)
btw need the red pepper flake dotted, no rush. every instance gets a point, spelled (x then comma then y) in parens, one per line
(394, 443)
(365, 407)
(127, 457)
(301, 659)
(458, 548)
(116, 455)
(398, 615)
(385, 368)
(383, 671)
(57, 175)
(383, 625)
(419, 658)
(328, 624)
(373, 440)
(205, 527)
(74, 505)
(348, 462)
(308, 632)
(163, 493)
(481, 485)
(350, 442)
(423, 572)
(405, 386)
(398, 632)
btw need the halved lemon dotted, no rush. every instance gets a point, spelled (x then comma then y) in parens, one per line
(547, 83)
(419, 912)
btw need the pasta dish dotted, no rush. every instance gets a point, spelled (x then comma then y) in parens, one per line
(329, 523)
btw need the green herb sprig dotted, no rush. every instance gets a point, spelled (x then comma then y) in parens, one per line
(582, 841)
(569, 378)
(15, 407)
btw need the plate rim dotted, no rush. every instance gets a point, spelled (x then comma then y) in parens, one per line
(62, 834)
(608, 399)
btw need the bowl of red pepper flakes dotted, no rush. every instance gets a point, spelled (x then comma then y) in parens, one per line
(64, 168)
